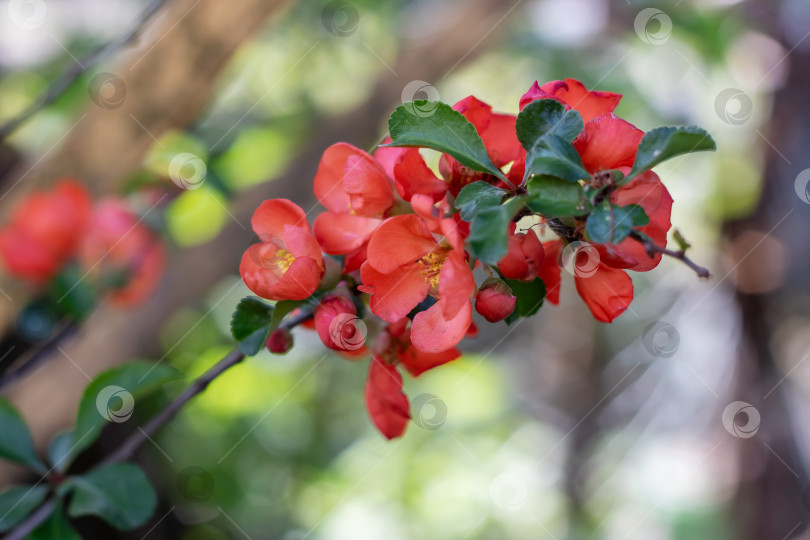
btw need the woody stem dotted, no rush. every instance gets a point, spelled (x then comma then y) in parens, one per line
(652, 249)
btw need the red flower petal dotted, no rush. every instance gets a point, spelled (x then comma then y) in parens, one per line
(500, 140)
(387, 156)
(550, 270)
(413, 176)
(368, 187)
(431, 332)
(272, 215)
(513, 265)
(608, 142)
(387, 405)
(417, 362)
(299, 281)
(573, 93)
(476, 111)
(339, 234)
(394, 295)
(607, 292)
(456, 284)
(328, 182)
(398, 241)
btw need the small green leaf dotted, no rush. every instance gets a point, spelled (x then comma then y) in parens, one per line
(530, 296)
(443, 129)
(15, 439)
(119, 493)
(661, 144)
(554, 156)
(111, 398)
(554, 197)
(637, 215)
(59, 451)
(56, 527)
(609, 224)
(547, 117)
(477, 196)
(73, 293)
(250, 324)
(489, 233)
(683, 244)
(17, 503)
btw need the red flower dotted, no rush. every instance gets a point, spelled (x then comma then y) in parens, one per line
(406, 264)
(574, 95)
(44, 231)
(387, 405)
(495, 300)
(524, 255)
(119, 246)
(287, 264)
(354, 188)
(337, 324)
(395, 347)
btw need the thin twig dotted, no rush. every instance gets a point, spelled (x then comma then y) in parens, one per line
(40, 356)
(138, 437)
(652, 249)
(69, 76)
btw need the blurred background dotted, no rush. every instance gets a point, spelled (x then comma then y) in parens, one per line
(684, 419)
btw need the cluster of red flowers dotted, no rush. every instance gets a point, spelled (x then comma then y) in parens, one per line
(391, 222)
(50, 229)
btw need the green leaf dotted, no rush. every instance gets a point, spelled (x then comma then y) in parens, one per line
(530, 296)
(683, 244)
(119, 493)
(17, 503)
(15, 439)
(110, 398)
(547, 117)
(554, 156)
(609, 224)
(56, 527)
(476, 196)
(442, 129)
(60, 450)
(637, 215)
(73, 293)
(661, 144)
(554, 197)
(489, 230)
(250, 324)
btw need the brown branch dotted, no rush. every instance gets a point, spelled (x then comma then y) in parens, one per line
(652, 249)
(137, 438)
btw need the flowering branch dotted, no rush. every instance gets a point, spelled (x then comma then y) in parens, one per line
(70, 76)
(652, 249)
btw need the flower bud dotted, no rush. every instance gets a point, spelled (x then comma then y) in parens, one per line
(280, 341)
(337, 323)
(495, 300)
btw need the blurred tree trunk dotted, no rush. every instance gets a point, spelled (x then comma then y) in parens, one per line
(769, 503)
(48, 398)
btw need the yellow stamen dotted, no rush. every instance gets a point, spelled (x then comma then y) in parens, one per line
(431, 266)
(283, 260)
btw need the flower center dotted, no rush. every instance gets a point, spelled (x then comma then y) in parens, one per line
(431, 265)
(283, 260)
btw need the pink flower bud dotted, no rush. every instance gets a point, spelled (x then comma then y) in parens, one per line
(338, 325)
(495, 300)
(280, 341)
